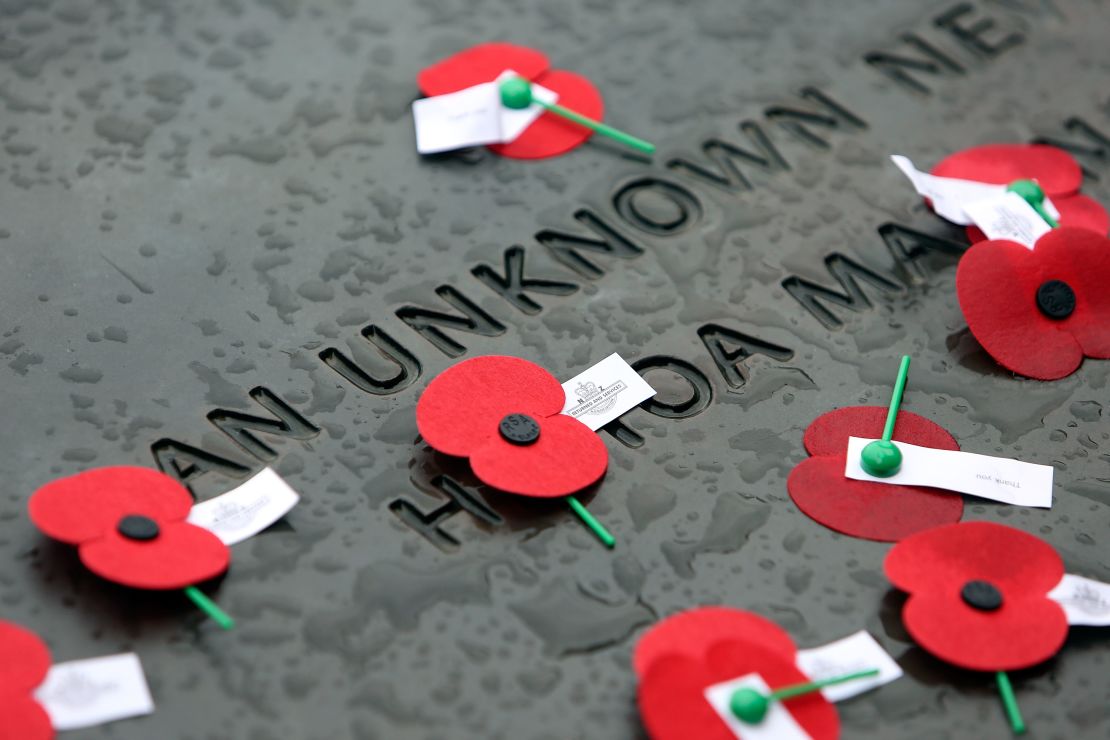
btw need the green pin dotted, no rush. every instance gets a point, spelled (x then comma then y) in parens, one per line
(209, 607)
(750, 706)
(1009, 701)
(595, 526)
(882, 458)
(516, 93)
(1033, 194)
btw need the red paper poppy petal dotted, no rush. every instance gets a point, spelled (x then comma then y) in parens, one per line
(551, 135)
(24, 659)
(461, 408)
(1022, 633)
(871, 511)
(690, 634)
(23, 718)
(1077, 211)
(947, 557)
(673, 704)
(996, 283)
(1055, 170)
(1082, 260)
(566, 458)
(828, 433)
(1082, 212)
(478, 64)
(182, 555)
(82, 507)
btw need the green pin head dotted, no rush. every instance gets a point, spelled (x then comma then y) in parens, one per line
(1029, 191)
(516, 93)
(1033, 194)
(749, 706)
(881, 458)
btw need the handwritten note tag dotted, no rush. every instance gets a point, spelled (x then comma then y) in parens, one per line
(605, 391)
(1085, 600)
(851, 654)
(83, 693)
(246, 510)
(779, 724)
(948, 194)
(996, 478)
(473, 117)
(951, 196)
(457, 120)
(1008, 216)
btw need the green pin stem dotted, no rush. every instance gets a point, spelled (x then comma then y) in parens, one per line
(882, 458)
(209, 607)
(1009, 701)
(595, 526)
(750, 706)
(516, 93)
(1033, 194)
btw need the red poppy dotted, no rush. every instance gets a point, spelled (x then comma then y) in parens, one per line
(872, 511)
(979, 595)
(24, 662)
(1057, 172)
(503, 413)
(129, 526)
(550, 135)
(691, 632)
(1039, 312)
(686, 654)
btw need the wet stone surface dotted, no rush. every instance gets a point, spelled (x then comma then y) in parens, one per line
(213, 210)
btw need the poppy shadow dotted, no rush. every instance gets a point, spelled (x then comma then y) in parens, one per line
(972, 356)
(428, 470)
(99, 599)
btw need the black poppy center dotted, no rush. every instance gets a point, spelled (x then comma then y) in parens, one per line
(981, 595)
(137, 527)
(519, 429)
(1056, 299)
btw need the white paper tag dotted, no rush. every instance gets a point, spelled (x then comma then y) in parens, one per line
(605, 391)
(469, 117)
(83, 693)
(1085, 601)
(246, 510)
(949, 195)
(1008, 216)
(996, 478)
(473, 117)
(779, 724)
(858, 652)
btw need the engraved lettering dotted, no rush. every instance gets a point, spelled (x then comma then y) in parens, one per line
(971, 34)
(513, 286)
(722, 170)
(473, 321)
(701, 392)
(683, 212)
(898, 67)
(427, 524)
(408, 367)
(912, 249)
(798, 121)
(185, 463)
(568, 248)
(730, 348)
(813, 296)
(1099, 152)
(239, 426)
